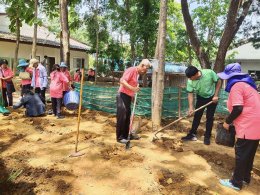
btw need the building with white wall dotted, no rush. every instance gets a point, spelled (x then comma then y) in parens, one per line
(48, 44)
(249, 57)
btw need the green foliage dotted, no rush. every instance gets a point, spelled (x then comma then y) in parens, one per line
(138, 19)
(250, 29)
(22, 10)
(208, 19)
(177, 38)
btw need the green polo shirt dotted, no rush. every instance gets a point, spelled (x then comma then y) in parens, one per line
(205, 86)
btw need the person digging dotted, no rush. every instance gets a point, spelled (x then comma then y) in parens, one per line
(128, 88)
(206, 85)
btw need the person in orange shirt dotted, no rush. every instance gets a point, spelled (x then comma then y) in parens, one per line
(6, 76)
(77, 76)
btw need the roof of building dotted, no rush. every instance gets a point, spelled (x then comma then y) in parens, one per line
(246, 52)
(44, 36)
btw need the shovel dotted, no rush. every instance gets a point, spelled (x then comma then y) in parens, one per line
(127, 146)
(179, 119)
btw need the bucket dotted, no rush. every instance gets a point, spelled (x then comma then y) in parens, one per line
(225, 137)
(71, 100)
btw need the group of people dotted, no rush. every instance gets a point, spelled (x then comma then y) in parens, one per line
(34, 82)
(243, 104)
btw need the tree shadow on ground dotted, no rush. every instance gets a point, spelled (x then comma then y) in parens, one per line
(7, 186)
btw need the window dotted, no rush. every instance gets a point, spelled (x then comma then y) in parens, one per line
(78, 62)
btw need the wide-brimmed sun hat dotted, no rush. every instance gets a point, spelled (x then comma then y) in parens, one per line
(230, 71)
(33, 61)
(63, 65)
(22, 63)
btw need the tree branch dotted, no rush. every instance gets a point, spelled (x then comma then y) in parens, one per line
(201, 55)
(231, 28)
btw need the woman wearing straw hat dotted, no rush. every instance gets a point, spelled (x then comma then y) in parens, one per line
(244, 107)
(25, 75)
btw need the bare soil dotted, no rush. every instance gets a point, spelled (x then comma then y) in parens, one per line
(35, 158)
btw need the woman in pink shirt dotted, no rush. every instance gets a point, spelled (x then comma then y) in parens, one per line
(25, 82)
(56, 90)
(128, 88)
(64, 70)
(244, 107)
(77, 76)
(6, 76)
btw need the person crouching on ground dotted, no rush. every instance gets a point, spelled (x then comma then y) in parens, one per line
(126, 92)
(244, 107)
(33, 104)
(56, 90)
(206, 84)
(25, 75)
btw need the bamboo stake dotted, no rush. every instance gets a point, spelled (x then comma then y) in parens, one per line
(76, 154)
(80, 104)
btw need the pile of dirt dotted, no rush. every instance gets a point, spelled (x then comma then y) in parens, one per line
(176, 183)
(116, 153)
(171, 144)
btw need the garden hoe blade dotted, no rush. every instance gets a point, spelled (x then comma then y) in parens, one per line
(76, 154)
(128, 145)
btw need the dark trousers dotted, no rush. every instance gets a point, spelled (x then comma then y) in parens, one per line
(245, 153)
(7, 95)
(209, 115)
(41, 92)
(123, 114)
(56, 106)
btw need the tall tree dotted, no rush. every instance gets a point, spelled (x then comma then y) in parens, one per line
(65, 31)
(35, 29)
(159, 83)
(237, 11)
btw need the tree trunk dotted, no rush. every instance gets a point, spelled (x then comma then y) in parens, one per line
(97, 41)
(132, 51)
(158, 97)
(61, 48)
(200, 53)
(18, 25)
(232, 25)
(155, 73)
(35, 30)
(65, 31)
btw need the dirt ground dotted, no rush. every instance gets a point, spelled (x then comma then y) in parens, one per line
(35, 158)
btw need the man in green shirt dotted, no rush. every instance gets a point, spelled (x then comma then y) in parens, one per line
(206, 85)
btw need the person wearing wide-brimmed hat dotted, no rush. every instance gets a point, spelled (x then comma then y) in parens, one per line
(244, 107)
(6, 75)
(64, 70)
(25, 75)
(39, 78)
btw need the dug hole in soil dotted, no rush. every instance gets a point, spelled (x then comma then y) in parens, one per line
(35, 158)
